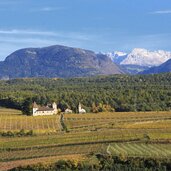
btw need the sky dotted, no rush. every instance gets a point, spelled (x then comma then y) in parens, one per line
(98, 25)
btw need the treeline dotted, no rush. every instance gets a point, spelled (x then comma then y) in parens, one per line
(101, 93)
(101, 162)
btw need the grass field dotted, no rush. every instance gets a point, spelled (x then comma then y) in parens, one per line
(13, 120)
(47, 160)
(146, 134)
(140, 150)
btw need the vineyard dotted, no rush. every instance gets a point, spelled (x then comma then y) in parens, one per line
(131, 134)
(13, 120)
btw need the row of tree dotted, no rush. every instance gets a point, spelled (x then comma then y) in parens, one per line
(103, 162)
(101, 93)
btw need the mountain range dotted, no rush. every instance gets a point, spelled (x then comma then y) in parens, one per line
(56, 61)
(62, 62)
(140, 60)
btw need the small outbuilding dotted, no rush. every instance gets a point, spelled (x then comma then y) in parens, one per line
(67, 111)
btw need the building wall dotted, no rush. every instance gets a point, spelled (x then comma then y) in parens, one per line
(41, 113)
(36, 111)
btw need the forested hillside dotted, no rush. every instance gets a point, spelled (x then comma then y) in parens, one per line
(117, 92)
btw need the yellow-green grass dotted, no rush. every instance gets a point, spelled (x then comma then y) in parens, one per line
(13, 112)
(165, 124)
(140, 150)
(86, 128)
(13, 120)
(106, 120)
(45, 160)
(53, 151)
(119, 114)
(84, 137)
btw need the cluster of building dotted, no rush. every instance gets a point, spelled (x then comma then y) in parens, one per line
(52, 109)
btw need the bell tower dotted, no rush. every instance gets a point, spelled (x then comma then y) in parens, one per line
(79, 107)
(35, 107)
(54, 106)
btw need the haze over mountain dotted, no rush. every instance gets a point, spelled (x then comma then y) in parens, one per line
(56, 61)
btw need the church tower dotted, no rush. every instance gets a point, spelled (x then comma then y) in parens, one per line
(79, 108)
(54, 106)
(35, 108)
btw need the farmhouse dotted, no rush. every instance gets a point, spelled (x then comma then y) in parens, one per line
(44, 110)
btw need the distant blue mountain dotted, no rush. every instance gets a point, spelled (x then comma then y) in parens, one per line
(165, 67)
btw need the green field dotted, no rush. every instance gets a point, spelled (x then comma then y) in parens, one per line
(132, 134)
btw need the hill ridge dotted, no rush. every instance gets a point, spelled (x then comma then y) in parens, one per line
(56, 61)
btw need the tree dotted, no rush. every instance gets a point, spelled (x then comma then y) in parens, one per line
(27, 106)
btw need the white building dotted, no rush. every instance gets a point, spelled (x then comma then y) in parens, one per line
(68, 111)
(44, 110)
(80, 109)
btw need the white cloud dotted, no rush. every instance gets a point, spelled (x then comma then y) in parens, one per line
(162, 12)
(57, 34)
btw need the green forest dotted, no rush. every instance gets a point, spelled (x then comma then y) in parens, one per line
(96, 94)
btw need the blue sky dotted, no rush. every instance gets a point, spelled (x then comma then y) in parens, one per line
(99, 25)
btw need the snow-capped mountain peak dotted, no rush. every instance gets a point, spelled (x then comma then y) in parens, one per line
(143, 57)
(117, 56)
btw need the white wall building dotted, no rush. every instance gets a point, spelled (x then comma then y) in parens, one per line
(44, 110)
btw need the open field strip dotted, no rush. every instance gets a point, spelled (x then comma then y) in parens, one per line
(112, 120)
(166, 124)
(50, 159)
(83, 137)
(15, 121)
(119, 115)
(12, 112)
(52, 151)
(140, 150)
(18, 142)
